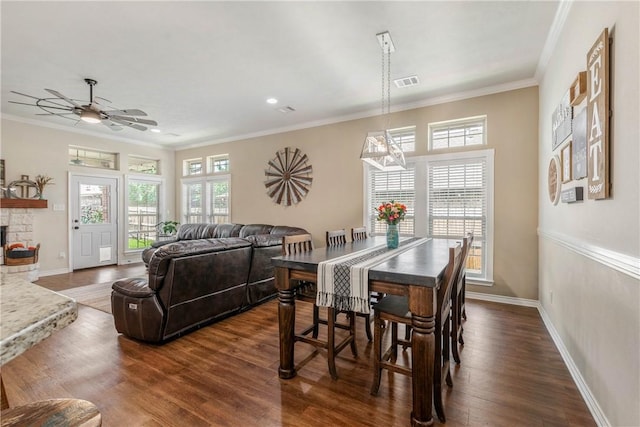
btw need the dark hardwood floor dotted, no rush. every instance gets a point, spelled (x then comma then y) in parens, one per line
(225, 374)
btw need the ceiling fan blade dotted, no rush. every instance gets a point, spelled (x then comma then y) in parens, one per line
(135, 120)
(61, 96)
(132, 125)
(133, 112)
(47, 106)
(24, 94)
(96, 98)
(114, 127)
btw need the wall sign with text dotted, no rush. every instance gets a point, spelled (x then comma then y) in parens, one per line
(598, 118)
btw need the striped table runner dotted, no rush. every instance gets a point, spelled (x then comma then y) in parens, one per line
(343, 282)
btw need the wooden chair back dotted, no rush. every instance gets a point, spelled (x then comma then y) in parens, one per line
(336, 237)
(359, 233)
(296, 244)
(450, 277)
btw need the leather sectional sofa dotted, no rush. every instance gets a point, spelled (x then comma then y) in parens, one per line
(208, 272)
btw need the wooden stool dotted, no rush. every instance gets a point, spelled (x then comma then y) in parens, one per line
(54, 412)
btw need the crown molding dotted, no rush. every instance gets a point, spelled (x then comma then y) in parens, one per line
(552, 37)
(55, 126)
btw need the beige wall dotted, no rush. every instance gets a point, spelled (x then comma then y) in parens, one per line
(336, 196)
(36, 150)
(594, 305)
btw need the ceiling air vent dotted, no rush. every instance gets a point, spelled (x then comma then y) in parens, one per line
(286, 110)
(407, 81)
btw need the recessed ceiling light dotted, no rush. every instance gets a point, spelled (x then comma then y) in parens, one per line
(156, 130)
(272, 101)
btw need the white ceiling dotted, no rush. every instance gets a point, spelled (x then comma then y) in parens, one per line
(203, 70)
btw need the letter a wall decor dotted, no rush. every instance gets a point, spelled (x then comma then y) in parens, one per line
(598, 118)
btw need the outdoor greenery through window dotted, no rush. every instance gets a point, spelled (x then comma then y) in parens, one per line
(457, 133)
(143, 209)
(193, 167)
(207, 200)
(79, 156)
(217, 164)
(143, 165)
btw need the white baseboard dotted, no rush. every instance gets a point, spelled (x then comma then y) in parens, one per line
(502, 299)
(588, 397)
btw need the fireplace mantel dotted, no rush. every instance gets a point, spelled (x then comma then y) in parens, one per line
(23, 203)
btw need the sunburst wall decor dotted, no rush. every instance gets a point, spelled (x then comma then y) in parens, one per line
(288, 176)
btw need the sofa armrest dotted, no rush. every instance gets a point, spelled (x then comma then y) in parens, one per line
(159, 243)
(137, 287)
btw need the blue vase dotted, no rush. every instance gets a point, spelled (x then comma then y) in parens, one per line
(393, 237)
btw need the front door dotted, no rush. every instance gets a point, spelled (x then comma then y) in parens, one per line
(94, 223)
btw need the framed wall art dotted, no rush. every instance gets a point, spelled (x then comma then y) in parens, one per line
(561, 122)
(565, 160)
(579, 146)
(553, 180)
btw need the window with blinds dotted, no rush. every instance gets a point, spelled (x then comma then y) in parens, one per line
(207, 199)
(383, 187)
(457, 133)
(457, 203)
(405, 138)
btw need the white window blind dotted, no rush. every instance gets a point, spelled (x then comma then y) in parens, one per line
(405, 138)
(207, 199)
(384, 187)
(457, 203)
(457, 133)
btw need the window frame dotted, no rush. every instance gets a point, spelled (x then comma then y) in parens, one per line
(142, 178)
(463, 122)
(204, 181)
(149, 159)
(421, 220)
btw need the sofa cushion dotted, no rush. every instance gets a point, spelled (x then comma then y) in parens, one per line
(228, 230)
(254, 229)
(196, 231)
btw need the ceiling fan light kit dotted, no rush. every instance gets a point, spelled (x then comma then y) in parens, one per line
(114, 119)
(380, 149)
(90, 116)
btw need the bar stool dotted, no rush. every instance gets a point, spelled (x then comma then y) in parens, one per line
(306, 292)
(395, 309)
(457, 301)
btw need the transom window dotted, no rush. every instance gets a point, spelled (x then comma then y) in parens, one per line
(193, 167)
(457, 133)
(79, 156)
(144, 165)
(405, 138)
(218, 164)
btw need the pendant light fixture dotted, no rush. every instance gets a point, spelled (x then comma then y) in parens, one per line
(380, 149)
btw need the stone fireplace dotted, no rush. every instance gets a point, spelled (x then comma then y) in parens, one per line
(17, 226)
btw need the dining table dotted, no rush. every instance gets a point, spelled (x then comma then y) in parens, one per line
(415, 273)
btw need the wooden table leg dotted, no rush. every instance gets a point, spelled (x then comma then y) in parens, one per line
(3, 394)
(286, 323)
(422, 302)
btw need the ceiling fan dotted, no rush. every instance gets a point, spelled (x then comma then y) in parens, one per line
(91, 112)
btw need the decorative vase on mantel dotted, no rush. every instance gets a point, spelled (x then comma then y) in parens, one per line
(392, 236)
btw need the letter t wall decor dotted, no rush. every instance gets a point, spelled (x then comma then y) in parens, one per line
(598, 118)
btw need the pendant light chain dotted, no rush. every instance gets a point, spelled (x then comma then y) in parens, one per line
(388, 84)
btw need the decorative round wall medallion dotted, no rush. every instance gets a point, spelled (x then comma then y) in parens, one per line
(553, 179)
(288, 176)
